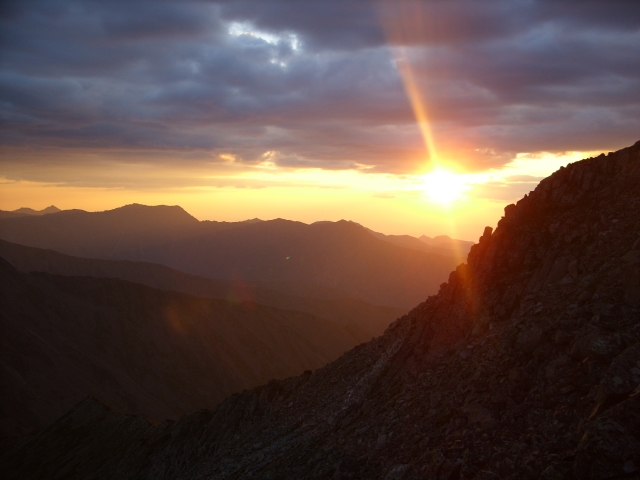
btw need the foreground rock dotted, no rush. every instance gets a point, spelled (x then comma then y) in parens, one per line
(525, 365)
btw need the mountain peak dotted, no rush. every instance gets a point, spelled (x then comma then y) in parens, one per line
(50, 209)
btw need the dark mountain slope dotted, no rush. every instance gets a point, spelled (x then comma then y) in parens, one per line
(363, 321)
(525, 365)
(145, 351)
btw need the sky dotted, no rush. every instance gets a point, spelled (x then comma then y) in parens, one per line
(410, 117)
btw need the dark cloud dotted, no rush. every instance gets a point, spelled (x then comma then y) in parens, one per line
(332, 24)
(317, 81)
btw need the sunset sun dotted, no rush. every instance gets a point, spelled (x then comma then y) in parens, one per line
(442, 186)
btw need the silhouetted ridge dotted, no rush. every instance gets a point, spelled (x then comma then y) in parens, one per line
(525, 365)
(87, 233)
(298, 259)
(28, 211)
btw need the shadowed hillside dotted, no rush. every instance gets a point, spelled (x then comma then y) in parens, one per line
(362, 320)
(145, 351)
(523, 366)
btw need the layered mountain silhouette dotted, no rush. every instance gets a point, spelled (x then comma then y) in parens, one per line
(441, 245)
(21, 212)
(100, 234)
(324, 259)
(362, 320)
(524, 365)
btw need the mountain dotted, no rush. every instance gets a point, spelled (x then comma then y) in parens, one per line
(339, 255)
(292, 257)
(158, 354)
(362, 320)
(441, 245)
(525, 365)
(100, 234)
(446, 242)
(28, 211)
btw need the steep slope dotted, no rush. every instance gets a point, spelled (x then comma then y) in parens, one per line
(291, 257)
(362, 320)
(145, 351)
(525, 365)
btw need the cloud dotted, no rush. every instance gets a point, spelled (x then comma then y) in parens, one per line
(316, 82)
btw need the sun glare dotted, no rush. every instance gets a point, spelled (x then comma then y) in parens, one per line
(444, 187)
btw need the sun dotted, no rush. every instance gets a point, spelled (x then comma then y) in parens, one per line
(444, 187)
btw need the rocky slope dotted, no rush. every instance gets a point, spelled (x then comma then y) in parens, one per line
(526, 364)
(155, 353)
(362, 320)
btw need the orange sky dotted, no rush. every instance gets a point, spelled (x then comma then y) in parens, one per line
(390, 203)
(410, 117)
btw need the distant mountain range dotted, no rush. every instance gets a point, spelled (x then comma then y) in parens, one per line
(442, 244)
(324, 259)
(20, 212)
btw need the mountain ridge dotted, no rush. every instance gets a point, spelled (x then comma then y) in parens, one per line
(28, 211)
(337, 255)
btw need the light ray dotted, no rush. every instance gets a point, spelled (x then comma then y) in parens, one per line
(406, 28)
